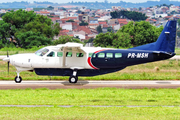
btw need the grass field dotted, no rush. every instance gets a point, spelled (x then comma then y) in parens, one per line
(100, 96)
(89, 113)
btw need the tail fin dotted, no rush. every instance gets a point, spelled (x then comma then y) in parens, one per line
(165, 42)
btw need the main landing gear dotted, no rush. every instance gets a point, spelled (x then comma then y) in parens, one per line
(73, 78)
(18, 78)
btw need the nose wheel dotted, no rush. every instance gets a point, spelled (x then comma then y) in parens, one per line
(18, 79)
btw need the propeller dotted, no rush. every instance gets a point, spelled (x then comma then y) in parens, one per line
(8, 61)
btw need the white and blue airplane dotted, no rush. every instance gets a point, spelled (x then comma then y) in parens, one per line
(72, 59)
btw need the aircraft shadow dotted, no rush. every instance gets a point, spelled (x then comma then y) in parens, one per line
(73, 84)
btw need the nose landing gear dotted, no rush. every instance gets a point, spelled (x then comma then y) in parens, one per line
(18, 78)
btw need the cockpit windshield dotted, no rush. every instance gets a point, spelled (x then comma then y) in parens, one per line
(42, 51)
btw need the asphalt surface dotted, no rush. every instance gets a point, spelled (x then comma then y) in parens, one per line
(89, 84)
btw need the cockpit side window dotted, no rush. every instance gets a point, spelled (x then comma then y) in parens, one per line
(42, 51)
(51, 54)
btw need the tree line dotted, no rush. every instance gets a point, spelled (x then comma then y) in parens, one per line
(130, 35)
(132, 15)
(27, 29)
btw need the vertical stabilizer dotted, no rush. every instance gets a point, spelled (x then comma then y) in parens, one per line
(165, 42)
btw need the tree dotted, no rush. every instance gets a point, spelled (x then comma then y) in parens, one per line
(70, 20)
(109, 29)
(141, 32)
(29, 39)
(123, 40)
(83, 23)
(24, 22)
(136, 16)
(140, 8)
(132, 34)
(104, 40)
(114, 14)
(99, 29)
(64, 39)
(2, 14)
(19, 18)
(178, 22)
(50, 8)
(178, 33)
(4, 34)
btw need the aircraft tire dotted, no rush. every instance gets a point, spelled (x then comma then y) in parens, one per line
(73, 79)
(18, 80)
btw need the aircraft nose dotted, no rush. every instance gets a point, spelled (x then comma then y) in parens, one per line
(7, 59)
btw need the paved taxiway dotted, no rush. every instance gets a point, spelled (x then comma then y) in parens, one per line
(88, 84)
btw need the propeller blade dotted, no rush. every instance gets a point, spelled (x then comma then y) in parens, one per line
(7, 54)
(8, 67)
(8, 61)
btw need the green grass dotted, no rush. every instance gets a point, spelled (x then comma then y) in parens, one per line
(88, 113)
(177, 51)
(100, 96)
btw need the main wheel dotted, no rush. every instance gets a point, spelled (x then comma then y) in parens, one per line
(18, 79)
(73, 79)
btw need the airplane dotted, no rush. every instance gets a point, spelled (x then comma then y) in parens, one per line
(72, 59)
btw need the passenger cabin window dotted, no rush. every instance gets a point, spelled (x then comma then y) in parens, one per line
(69, 54)
(109, 55)
(59, 54)
(79, 54)
(101, 55)
(51, 54)
(118, 55)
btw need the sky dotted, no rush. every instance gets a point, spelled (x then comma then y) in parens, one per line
(66, 1)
